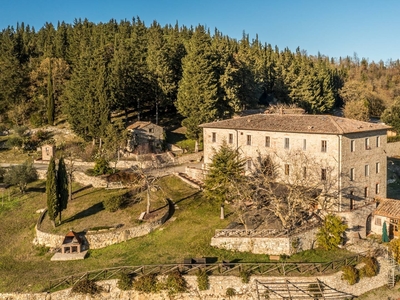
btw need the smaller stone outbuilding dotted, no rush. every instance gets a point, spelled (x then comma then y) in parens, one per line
(387, 211)
(72, 243)
(145, 137)
(48, 151)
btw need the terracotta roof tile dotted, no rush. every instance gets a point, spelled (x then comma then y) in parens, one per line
(138, 124)
(388, 208)
(301, 123)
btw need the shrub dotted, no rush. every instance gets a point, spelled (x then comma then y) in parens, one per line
(14, 142)
(371, 267)
(20, 130)
(41, 135)
(187, 145)
(245, 275)
(41, 250)
(202, 280)
(175, 283)
(330, 235)
(394, 249)
(36, 120)
(3, 128)
(86, 286)
(114, 203)
(101, 167)
(350, 274)
(147, 283)
(124, 282)
(230, 292)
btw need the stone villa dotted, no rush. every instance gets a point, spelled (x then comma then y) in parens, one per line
(350, 153)
(145, 134)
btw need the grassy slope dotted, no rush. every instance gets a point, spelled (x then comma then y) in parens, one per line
(23, 269)
(186, 234)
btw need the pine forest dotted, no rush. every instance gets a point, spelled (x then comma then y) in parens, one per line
(87, 73)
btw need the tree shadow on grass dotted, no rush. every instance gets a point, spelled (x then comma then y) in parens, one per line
(85, 194)
(94, 209)
(36, 189)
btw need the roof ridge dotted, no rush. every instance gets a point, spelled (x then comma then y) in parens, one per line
(341, 131)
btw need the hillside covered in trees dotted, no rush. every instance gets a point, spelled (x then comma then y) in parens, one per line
(84, 72)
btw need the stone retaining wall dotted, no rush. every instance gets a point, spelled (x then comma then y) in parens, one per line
(101, 239)
(192, 157)
(82, 178)
(196, 173)
(217, 288)
(272, 246)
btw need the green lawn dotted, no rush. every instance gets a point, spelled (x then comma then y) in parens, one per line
(24, 267)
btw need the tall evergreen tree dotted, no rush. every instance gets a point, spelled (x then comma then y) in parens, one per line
(62, 186)
(50, 97)
(53, 206)
(198, 99)
(225, 171)
(160, 68)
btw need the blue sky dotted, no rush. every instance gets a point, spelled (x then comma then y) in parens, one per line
(334, 28)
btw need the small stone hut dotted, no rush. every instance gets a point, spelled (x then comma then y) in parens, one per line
(72, 243)
(145, 134)
(48, 151)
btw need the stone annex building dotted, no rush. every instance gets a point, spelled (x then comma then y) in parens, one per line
(350, 154)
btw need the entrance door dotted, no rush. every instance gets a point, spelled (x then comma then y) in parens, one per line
(368, 225)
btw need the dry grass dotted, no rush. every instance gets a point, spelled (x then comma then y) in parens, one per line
(23, 267)
(15, 156)
(26, 268)
(86, 210)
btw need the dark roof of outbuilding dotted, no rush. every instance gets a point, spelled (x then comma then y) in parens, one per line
(301, 123)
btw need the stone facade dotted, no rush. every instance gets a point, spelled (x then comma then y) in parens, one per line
(352, 151)
(145, 133)
(217, 288)
(48, 152)
(393, 149)
(287, 245)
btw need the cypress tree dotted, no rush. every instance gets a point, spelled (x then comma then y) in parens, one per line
(51, 192)
(50, 98)
(62, 186)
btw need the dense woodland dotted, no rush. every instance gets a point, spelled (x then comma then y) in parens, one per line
(85, 73)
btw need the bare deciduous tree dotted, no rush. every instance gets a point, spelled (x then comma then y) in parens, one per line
(291, 186)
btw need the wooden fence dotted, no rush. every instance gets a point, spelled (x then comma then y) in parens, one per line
(281, 268)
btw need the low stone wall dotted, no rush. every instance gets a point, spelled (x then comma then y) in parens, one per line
(192, 157)
(195, 173)
(101, 239)
(287, 245)
(95, 181)
(393, 149)
(82, 178)
(217, 288)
